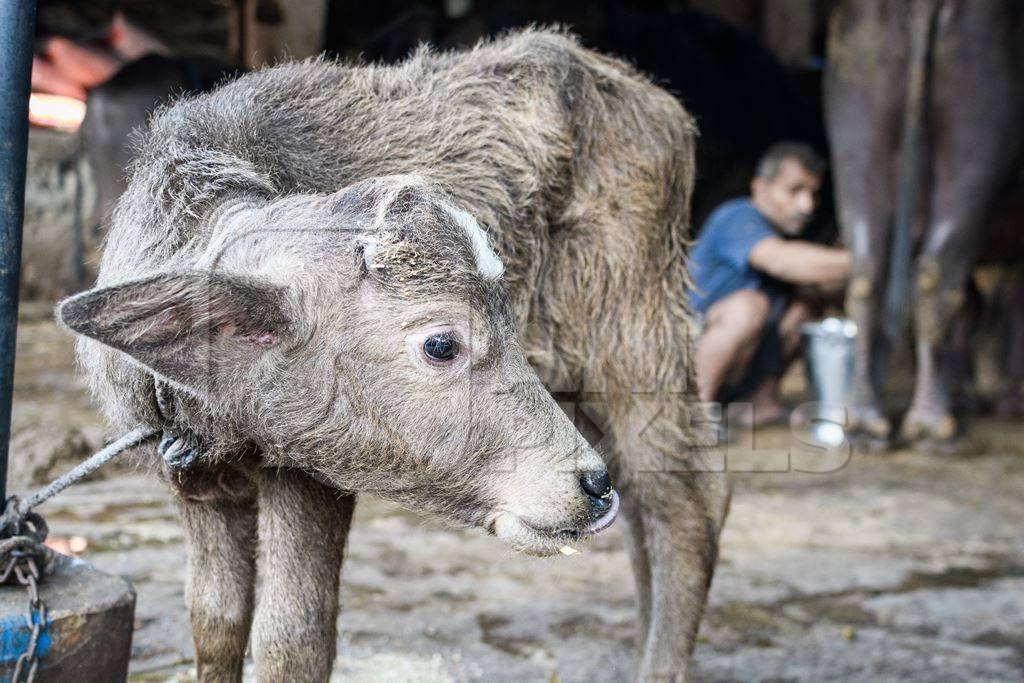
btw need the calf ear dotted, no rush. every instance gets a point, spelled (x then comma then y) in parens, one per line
(195, 329)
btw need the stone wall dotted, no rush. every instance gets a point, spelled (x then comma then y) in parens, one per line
(60, 236)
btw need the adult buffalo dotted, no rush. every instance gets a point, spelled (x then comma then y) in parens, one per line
(924, 105)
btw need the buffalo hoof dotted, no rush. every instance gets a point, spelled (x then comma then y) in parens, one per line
(944, 447)
(869, 431)
(931, 432)
(863, 441)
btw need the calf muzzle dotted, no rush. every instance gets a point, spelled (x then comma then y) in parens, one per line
(604, 501)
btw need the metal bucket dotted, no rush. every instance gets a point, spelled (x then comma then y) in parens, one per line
(828, 355)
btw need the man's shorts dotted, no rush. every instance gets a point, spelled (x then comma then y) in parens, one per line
(767, 359)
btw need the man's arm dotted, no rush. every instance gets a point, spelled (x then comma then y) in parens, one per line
(800, 262)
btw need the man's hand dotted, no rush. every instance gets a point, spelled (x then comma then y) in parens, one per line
(801, 262)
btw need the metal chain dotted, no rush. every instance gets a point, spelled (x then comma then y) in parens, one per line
(28, 574)
(21, 556)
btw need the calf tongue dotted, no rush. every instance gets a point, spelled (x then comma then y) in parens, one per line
(606, 519)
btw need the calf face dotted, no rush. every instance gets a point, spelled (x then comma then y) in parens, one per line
(365, 337)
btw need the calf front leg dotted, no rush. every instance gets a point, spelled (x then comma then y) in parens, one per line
(302, 529)
(674, 531)
(220, 538)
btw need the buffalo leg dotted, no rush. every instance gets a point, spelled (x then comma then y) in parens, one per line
(675, 512)
(1012, 402)
(220, 540)
(969, 164)
(302, 528)
(862, 115)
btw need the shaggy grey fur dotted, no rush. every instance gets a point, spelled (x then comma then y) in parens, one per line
(286, 245)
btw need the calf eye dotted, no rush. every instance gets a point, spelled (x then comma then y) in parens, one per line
(441, 347)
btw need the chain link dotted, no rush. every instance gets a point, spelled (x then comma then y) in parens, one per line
(21, 565)
(27, 573)
(23, 561)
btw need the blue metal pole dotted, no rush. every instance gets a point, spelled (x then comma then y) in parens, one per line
(17, 32)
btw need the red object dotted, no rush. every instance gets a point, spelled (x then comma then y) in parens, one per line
(84, 65)
(47, 78)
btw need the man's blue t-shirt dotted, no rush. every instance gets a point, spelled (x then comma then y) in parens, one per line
(718, 262)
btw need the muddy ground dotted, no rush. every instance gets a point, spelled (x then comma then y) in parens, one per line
(899, 567)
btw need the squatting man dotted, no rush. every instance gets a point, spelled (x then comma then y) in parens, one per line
(755, 282)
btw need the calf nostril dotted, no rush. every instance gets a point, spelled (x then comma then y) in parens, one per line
(597, 485)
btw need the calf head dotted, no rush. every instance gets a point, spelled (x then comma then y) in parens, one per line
(367, 338)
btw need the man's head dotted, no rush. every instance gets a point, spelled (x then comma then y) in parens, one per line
(786, 183)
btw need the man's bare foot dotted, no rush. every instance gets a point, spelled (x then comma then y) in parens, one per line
(760, 415)
(761, 408)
